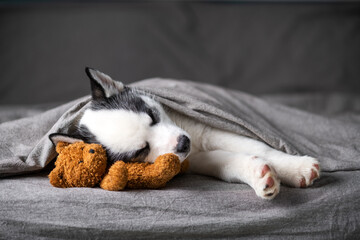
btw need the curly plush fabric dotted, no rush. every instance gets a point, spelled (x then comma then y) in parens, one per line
(141, 175)
(84, 165)
(78, 165)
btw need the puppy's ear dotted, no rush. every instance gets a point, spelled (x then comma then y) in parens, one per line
(63, 139)
(102, 85)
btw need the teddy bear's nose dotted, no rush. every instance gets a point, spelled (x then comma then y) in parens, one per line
(91, 151)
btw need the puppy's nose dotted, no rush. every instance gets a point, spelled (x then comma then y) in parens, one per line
(183, 145)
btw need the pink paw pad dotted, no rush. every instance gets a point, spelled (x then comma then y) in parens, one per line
(269, 183)
(316, 166)
(314, 175)
(303, 183)
(265, 169)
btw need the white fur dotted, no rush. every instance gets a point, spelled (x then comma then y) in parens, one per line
(120, 130)
(123, 131)
(236, 158)
(214, 152)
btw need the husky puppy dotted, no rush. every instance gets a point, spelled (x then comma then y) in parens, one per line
(131, 125)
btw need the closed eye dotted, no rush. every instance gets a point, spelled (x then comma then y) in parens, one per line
(154, 115)
(143, 150)
(131, 156)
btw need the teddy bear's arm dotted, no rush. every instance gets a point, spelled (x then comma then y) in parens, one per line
(156, 175)
(116, 177)
(56, 178)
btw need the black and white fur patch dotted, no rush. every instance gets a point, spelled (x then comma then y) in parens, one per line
(128, 123)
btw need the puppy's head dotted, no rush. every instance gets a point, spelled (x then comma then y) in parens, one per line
(128, 123)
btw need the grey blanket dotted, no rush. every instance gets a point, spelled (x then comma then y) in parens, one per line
(336, 142)
(191, 206)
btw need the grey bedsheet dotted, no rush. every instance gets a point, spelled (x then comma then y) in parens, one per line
(191, 206)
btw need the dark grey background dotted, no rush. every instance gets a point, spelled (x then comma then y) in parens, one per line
(254, 47)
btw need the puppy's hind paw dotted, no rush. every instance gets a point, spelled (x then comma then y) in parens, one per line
(266, 183)
(301, 173)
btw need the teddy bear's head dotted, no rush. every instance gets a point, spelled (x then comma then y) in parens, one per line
(78, 164)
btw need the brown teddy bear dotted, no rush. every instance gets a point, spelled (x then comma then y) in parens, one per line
(84, 165)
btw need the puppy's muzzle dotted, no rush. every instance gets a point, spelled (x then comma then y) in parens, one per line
(183, 146)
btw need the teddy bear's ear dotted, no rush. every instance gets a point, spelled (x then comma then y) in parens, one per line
(61, 140)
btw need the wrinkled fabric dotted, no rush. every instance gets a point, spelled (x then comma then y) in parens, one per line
(191, 206)
(25, 145)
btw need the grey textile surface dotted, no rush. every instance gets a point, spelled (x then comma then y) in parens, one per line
(192, 206)
(336, 142)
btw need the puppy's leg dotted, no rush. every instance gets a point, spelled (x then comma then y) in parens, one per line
(238, 167)
(296, 171)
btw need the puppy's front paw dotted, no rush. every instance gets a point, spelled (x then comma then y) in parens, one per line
(302, 172)
(265, 182)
